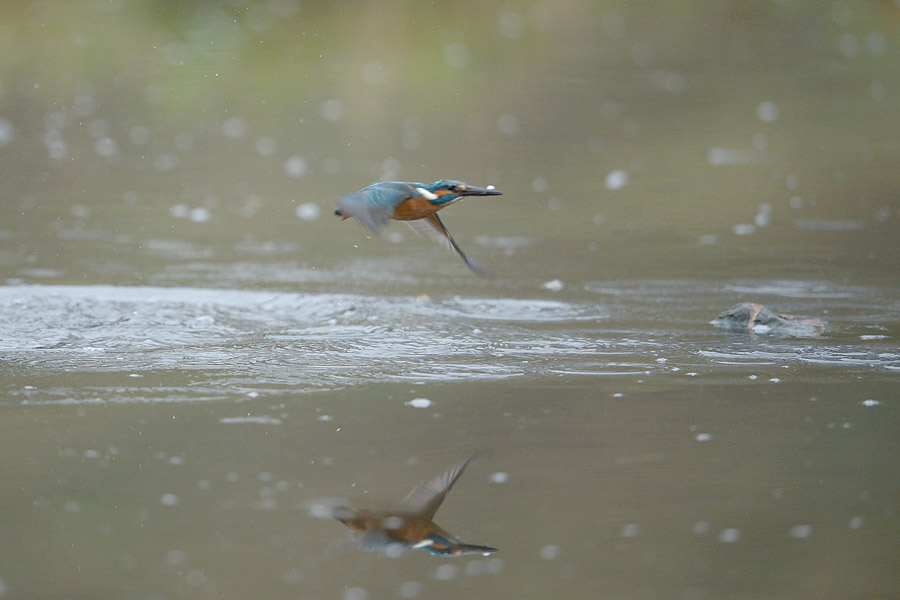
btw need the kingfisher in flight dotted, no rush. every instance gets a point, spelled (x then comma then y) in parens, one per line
(410, 524)
(416, 204)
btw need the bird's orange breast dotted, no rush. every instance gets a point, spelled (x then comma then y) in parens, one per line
(414, 208)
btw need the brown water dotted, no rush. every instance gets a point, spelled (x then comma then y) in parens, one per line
(195, 356)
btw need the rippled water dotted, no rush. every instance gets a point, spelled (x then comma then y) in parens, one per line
(267, 341)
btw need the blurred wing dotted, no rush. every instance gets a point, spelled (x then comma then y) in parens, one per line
(426, 498)
(431, 228)
(358, 206)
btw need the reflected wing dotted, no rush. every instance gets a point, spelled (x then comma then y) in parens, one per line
(426, 498)
(431, 228)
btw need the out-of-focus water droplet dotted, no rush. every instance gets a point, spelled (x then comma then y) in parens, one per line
(356, 593)
(446, 572)
(511, 24)
(870, 402)
(184, 141)
(642, 54)
(295, 166)
(56, 146)
(876, 43)
(456, 54)
(234, 128)
(508, 124)
(848, 45)
(856, 522)
(332, 110)
(139, 135)
(166, 162)
(169, 500)
(703, 437)
(200, 214)
(729, 536)
(83, 105)
(390, 167)
(176, 558)
(613, 25)
(668, 81)
(106, 146)
(411, 589)
(763, 217)
(744, 229)
(71, 506)
(419, 403)
(791, 182)
(801, 531)
(616, 179)
(734, 156)
(309, 211)
(7, 132)
(331, 165)
(292, 576)
(767, 112)
(266, 146)
(549, 552)
(499, 477)
(630, 530)
(554, 285)
(540, 185)
(701, 528)
(374, 73)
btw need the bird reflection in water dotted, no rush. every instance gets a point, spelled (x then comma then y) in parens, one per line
(410, 525)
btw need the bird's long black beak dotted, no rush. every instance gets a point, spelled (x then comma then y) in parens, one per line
(477, 191)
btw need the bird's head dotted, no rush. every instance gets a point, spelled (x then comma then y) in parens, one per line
(448, 190)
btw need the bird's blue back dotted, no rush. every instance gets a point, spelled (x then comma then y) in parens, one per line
(389, 194)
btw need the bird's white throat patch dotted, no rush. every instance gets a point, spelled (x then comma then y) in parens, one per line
(427, 194)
